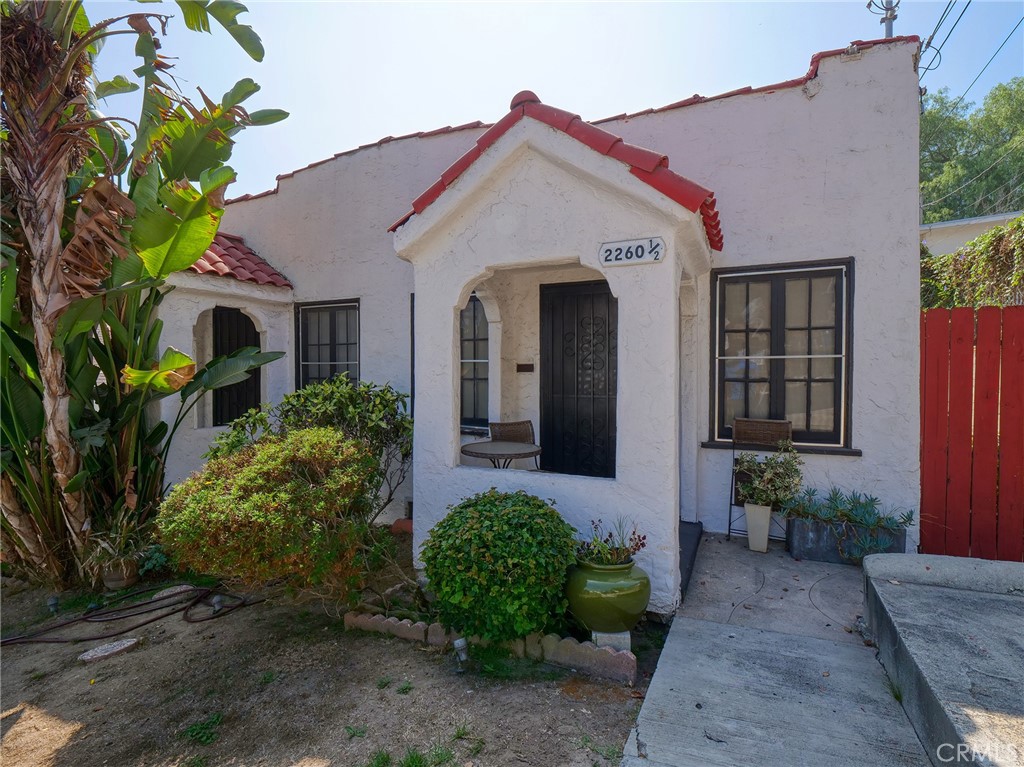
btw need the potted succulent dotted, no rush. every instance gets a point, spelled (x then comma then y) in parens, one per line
(842, 527)
(764, 485)
(607, 590)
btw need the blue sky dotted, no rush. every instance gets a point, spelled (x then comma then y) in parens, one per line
(351, 73)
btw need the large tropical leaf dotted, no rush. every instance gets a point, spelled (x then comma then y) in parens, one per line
(197, 13)
(173, 235)
(231, 369)
(118, 85)
(22, 352)
(172, 373)
(22, 409)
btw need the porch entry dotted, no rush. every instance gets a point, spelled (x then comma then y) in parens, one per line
(578, 378)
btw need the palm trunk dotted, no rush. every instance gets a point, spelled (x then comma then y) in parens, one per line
(41, 220)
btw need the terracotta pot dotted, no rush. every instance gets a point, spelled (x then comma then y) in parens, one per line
(120, 574)
(608, 598)
(759, 519)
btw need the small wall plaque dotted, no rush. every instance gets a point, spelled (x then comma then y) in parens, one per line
(648, 250)
(524, 367)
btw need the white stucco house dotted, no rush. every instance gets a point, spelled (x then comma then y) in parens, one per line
(945, 237)
(628, 285)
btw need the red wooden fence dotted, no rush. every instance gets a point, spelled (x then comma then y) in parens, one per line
(972, 432)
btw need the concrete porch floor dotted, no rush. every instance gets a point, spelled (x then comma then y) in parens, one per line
(763, 666)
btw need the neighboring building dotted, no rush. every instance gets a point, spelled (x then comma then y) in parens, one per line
(779, 279)
(949, 236)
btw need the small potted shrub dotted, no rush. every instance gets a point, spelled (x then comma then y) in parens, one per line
(497, 564)
(764, 485)
(116, 551)
(607, 590)
(842, 527)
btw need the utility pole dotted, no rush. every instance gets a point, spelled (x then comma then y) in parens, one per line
(887, 10)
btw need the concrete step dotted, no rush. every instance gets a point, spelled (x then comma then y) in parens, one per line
(950, 632)
(725, 696)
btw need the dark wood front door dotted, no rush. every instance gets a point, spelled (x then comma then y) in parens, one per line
(579, 334)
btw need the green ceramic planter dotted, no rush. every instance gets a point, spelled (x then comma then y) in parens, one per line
(609, 598)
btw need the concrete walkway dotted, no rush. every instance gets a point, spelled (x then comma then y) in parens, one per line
(763, 666)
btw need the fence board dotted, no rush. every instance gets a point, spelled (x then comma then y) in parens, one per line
(934, 424)
(985, 468)
(1010, 532)
(958, 468)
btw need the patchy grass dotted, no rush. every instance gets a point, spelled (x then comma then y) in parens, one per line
(380, 758)
(355, 732)
(383, 682)
(894, 689)
(612, 753)
(495, 662)
(404, 688)
(205, 732)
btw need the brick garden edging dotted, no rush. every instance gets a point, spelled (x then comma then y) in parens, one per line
(584, 657)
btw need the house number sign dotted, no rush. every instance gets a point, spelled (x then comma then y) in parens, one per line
(648, 250)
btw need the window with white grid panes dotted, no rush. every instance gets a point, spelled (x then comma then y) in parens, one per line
(780, 350)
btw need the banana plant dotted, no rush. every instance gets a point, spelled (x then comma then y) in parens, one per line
(95, 217)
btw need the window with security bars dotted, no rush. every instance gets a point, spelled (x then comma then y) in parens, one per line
(781, 350)
(473, 345)
(328, 341)
(233, 330)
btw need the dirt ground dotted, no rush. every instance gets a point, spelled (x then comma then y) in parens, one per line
(280, 684)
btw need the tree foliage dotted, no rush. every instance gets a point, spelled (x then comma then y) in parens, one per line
(376, 415)
(95, 217)
(988, 271)
(288, 509)
(972, 160)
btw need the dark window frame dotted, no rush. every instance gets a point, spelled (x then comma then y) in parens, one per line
(299, 342)
(478, 421)
(839, 438)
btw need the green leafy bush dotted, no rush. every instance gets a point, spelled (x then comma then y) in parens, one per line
(289, 509)
(987, 271)
(377, 415)
(497, 565)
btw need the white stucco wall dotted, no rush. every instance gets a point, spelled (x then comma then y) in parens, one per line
(326, 230)
(949, 236)
(539, 201)
(823, 171)
(185, 312)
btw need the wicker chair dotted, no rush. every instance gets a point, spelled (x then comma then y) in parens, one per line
(754, 434)
(514, 431)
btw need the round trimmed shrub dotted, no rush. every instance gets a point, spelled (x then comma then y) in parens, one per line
(497, 565)
(289, 510)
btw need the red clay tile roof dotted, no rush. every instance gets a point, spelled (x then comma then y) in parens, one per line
(229, 256)
(650, 167)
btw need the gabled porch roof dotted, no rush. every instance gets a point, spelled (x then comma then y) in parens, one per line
(648, 166)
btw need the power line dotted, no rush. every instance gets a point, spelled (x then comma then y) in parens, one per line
(952, 109)
(1007, 153)
(928, 42)
(938, 51)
